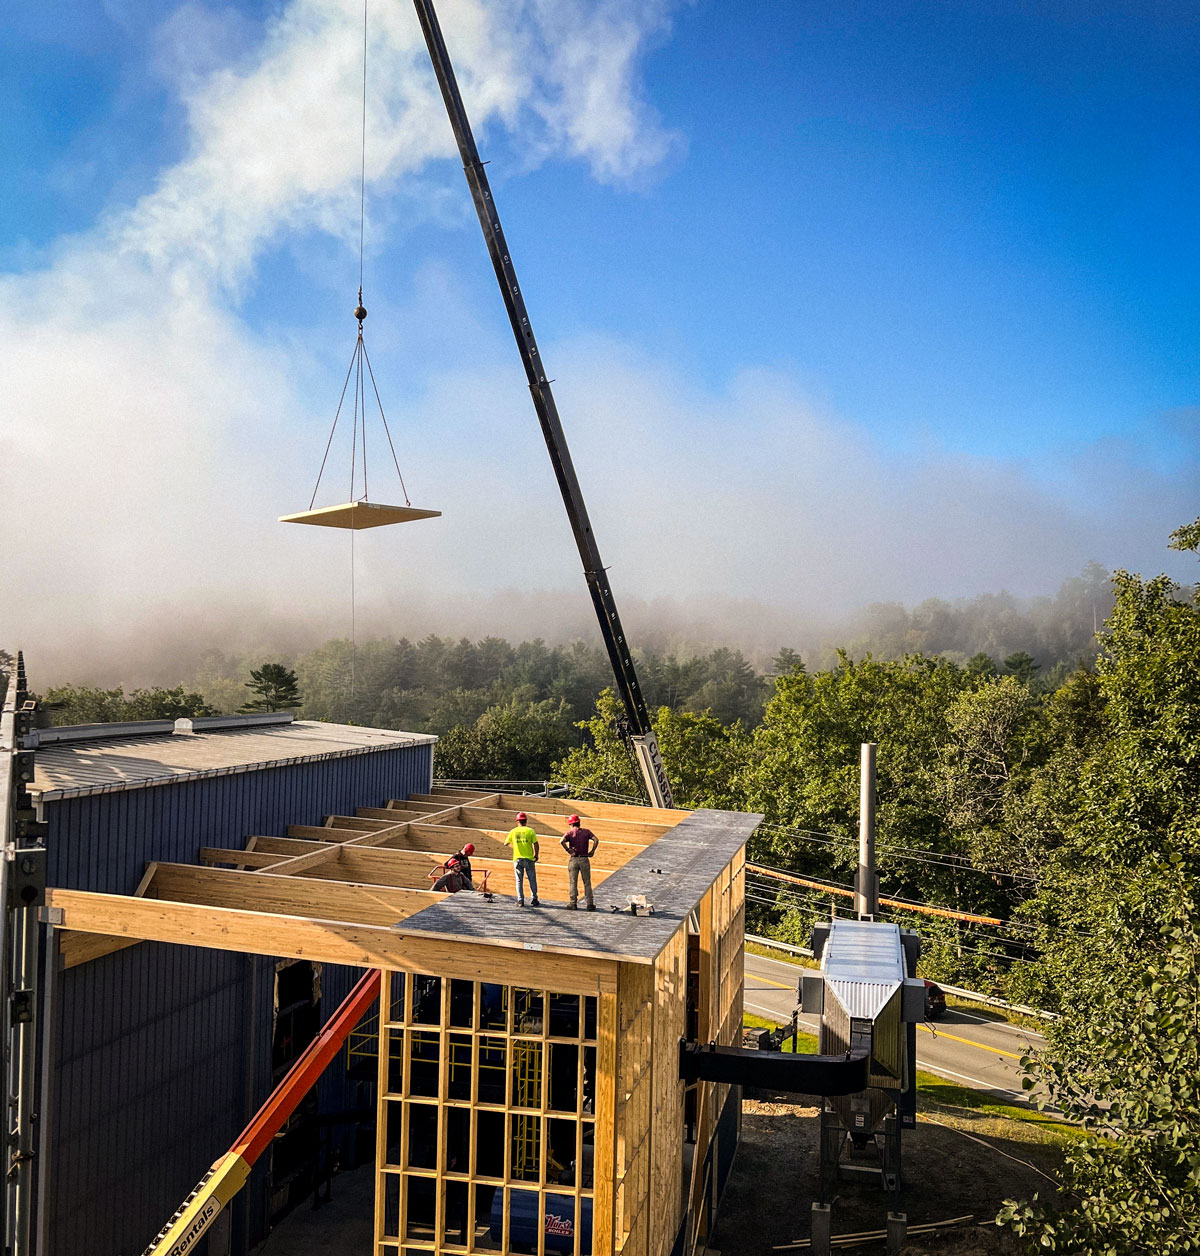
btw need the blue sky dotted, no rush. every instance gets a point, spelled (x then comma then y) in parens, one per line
(847, 302)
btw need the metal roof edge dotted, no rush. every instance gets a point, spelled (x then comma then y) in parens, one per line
(113, 787)
(145, 728)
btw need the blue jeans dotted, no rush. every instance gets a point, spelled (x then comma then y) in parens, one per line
(526, 868)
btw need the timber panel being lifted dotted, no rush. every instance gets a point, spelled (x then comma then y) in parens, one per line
(358, 515)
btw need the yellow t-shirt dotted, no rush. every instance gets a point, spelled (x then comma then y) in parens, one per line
(521, 839)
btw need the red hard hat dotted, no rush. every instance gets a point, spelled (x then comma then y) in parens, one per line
(572, 819)
(522, 816)
(469, 848)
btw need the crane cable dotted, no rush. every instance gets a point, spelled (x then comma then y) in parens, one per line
(360, 313)
(359, 360)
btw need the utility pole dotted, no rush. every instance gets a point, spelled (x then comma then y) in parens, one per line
(866, 882)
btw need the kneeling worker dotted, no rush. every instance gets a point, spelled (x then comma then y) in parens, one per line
(457, 875)
(525, 848)
(580, 845)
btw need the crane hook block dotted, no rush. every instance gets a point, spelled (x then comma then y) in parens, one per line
(360, 311)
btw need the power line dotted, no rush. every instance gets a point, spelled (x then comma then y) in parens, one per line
(784, 900)
(916, 854)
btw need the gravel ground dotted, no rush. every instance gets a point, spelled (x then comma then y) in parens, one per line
(946, 1174)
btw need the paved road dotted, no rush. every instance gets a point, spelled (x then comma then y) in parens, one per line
(961, 1046)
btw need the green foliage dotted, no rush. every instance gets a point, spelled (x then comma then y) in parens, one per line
(982, 664)
(786, 662)
(81, 704)
(1117, 908)
(795, 928)
(1186, 537)
(1130, 1072)
(1023, 666)
(804, 767)
(518, 741)
(276, 689)
(704, 756)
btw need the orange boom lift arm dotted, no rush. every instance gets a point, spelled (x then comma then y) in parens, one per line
(229, 1174)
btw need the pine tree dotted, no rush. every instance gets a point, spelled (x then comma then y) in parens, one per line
(276, 687)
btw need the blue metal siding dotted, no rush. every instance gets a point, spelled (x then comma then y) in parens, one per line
(151, 1087)
(103, 842)
(156, 1044)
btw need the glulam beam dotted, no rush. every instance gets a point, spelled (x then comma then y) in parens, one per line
(331, 941)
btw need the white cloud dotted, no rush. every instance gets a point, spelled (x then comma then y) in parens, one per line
(149, 431)
(147, 422)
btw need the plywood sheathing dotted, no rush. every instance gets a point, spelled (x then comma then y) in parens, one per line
(674, 874)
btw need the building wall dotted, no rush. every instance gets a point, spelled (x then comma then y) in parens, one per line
(488, 1120)
(161, 1054)
(102, 842)
(638, 1200)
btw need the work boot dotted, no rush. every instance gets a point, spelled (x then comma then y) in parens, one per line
(535, 902)
(573, 906)
(591, 907)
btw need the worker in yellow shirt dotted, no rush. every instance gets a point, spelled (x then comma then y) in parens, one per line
(524, 843)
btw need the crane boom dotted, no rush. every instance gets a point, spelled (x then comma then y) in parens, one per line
(640, 732)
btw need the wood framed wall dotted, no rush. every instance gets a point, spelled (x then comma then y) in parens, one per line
(487, 1134)
(719, 952)
(487, 1089)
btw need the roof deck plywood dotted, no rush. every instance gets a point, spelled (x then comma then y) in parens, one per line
(674, 874)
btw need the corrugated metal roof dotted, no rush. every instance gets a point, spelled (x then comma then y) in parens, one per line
(863, 965)
(863, 999)
(106, 763)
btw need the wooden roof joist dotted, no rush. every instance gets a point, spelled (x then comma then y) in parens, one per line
(593, 810)
(358, 890)
(636, 833)
(332, 941)
(298, 895)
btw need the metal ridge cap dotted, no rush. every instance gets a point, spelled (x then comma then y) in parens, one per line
(113, 730)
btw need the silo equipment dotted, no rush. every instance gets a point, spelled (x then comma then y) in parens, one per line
(868, 999)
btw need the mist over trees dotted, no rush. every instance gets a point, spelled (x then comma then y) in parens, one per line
(1038, 769)
(1068, 814)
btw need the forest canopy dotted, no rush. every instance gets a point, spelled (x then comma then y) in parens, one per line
(1038, 771)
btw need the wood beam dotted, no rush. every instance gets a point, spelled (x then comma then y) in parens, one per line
(329, 941)
(82, 948)
(487, 846)
(426, 808)
(636, 835)
(322, 833)
(240, 858)
(596, 810)
(411, 869)
(365, 823)
(302, 863)
(268, 892)
(461, 795)
(459, 798)
(285, 845)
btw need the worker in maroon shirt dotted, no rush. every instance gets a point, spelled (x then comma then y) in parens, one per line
(580, 845)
